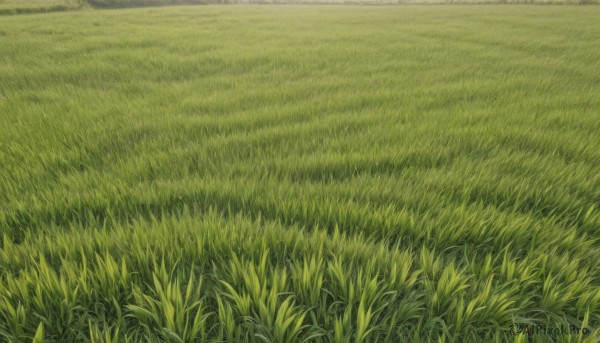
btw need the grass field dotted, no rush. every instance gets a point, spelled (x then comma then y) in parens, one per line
(300, 173)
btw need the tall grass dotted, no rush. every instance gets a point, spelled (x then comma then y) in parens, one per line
(300, 173)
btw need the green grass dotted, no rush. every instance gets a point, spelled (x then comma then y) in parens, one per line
(299, 173)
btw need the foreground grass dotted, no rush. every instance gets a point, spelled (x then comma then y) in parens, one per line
(283, 174)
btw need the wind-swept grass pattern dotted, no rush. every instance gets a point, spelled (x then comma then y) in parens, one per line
(300, 173)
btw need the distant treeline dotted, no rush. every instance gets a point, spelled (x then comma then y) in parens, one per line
(27, 10)
(8, 7)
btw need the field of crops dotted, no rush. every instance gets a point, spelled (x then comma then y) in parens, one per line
(300, 173)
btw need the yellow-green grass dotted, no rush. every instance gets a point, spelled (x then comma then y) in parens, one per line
(291, 173)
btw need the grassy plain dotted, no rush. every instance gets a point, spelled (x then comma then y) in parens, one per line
(290, 173)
